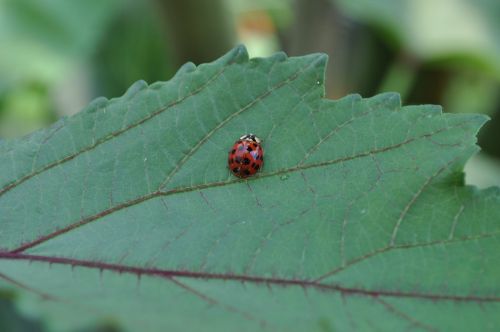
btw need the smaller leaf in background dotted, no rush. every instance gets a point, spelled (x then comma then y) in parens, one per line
(26, 109)
(46, 36)
(11, 320)
(135, 47)
(260, 22)
(472, 92)
(43, 43)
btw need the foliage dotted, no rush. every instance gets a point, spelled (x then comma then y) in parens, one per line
(125, 214)
(449, 30)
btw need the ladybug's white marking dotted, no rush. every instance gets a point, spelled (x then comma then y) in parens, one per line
(250, 137)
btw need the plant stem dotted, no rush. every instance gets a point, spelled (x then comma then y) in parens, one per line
(200, 31)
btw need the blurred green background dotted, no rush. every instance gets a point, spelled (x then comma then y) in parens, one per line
(57, 55)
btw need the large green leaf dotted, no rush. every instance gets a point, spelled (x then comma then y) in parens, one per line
(126, 213)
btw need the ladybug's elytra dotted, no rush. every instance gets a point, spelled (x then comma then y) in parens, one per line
(246, 156)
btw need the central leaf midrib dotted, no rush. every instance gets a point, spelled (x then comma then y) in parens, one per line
(284, 282)
(159, 193)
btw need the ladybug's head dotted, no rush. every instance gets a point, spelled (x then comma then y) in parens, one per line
(251, 138)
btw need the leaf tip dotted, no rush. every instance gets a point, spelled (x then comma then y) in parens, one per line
(186, 68)
(322, 58)
(96, 104)
(134, 89)
(319, 62)
(279, 56)
(318, 59)
(474, 122)
(390, 100)
(239, 54)
(478, 121)
(481, 118)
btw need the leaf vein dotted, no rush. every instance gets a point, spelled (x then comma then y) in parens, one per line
(159, 193)
(304, 283)
(110, 136)
(256, 100)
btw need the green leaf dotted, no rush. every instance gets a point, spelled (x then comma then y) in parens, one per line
(126, 215)
(41, 39)
(11, 321)
(466, 31)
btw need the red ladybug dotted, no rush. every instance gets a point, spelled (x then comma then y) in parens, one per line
(246, 156)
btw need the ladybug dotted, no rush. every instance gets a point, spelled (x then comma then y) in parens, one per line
(246, 156)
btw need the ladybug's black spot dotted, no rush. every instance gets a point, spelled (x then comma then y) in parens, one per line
(236, 170)
(246, 171)
(253, 165)
(233, 151)
(249, 148)
(256, 167)
(246, 161)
